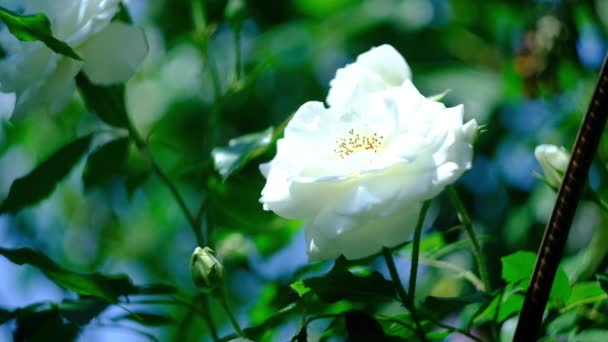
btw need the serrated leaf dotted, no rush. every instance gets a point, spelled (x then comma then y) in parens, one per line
(107, 102)
(94, 284)
(340, 284)
(40, 182)
(300, 288)
(105, 163)
(35, 27)
(518, 268)
(240, 150)
(146, 318)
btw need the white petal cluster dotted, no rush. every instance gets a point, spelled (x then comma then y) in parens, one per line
(358, 171)
(43, 79)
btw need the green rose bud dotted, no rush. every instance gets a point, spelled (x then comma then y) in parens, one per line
(207, 270)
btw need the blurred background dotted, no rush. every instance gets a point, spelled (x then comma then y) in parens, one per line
(524, 69)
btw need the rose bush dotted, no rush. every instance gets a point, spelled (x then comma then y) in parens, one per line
(111, 51)
(358, 171)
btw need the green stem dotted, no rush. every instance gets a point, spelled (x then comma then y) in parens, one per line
(208, 319)
(465, 219)
(388, 258)
(416, 252)
(143, 147)
(198, 17)
(237, 52)
(235, 323)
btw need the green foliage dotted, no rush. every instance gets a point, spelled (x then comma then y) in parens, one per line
(106, 162)
(95, 284)
(240, 151)
(517, 269)
(35, 27)
(40, 182)
(340, 284)
(107, 102)
(187, 133)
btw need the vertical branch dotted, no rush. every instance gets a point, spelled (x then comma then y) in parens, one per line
(556, 232)
(465, 219)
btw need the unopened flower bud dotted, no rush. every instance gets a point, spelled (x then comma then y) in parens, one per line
(207, 270)
(554, 162)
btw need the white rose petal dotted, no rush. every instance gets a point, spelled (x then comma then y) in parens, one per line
(105, 59)
(554, 162)
(111, 52)
(377, 69)
(357, 174)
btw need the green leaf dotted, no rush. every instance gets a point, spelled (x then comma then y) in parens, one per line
(441, 306)
(360, 326)
(94, 284)
(592, 335)
(563, 323)
(255, 333)
(586, 293)
(106, 101)
(106, 162)
(83, 310)
(40, 326)
(240, 151)
(149, 319)
(41, 181)
(340, 284)
(300, 288)
(35, 27)
(510, 304)
(518, 268)
(603, 279)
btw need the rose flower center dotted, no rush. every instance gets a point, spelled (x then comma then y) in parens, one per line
(355, 142)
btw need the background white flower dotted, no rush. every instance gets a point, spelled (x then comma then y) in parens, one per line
(554, 162)
(358, 174)
(111, 52)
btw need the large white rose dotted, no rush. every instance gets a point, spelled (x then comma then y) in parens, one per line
(40, 78)
(358, 174)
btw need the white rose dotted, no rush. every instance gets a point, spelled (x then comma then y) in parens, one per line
(554, 162)
(358, 174)
(111, 52)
